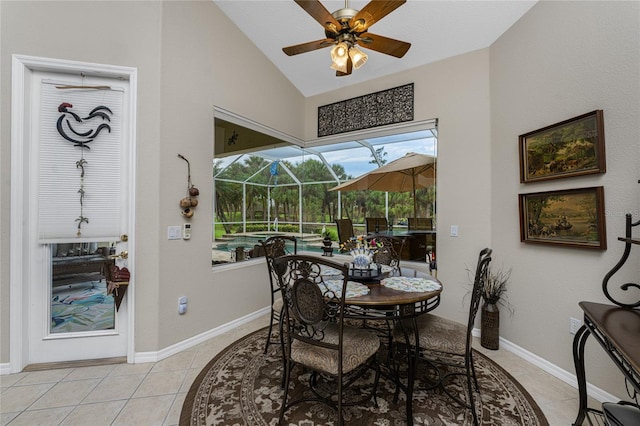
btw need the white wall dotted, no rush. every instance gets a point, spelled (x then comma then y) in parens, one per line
(563, 59)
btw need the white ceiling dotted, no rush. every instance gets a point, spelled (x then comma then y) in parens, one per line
(435, 29)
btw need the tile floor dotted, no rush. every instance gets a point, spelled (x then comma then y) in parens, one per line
(152, 393)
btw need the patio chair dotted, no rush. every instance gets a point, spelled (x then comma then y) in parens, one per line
(447, 344)
(319, 340)
(273, 248)
(345, 230)
(420, 224)
(376, 224)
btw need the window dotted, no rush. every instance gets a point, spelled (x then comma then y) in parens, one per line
(265, 185)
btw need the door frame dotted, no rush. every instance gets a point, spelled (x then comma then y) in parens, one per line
(22, 69)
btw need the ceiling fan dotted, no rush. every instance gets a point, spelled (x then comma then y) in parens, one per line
(346, 29)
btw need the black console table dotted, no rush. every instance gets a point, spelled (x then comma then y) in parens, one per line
(616, 327)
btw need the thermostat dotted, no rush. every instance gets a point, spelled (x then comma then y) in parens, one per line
(186, 231)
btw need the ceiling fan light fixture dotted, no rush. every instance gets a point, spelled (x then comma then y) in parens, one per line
(342, 67)
(339, 57)
(358, 57)
(339, 52)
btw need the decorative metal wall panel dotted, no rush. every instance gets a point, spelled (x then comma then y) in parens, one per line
(376, 109)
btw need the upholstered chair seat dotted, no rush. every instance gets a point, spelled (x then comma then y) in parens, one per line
(436, 334)
(358, 346)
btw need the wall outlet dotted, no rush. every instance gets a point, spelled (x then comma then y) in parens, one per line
(574, 325)
(182, 305)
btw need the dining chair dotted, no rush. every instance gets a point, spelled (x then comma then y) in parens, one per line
(345, 230)
(447, 344)
(420, 224)
(376, 224)
(318, 338)
(388, 251)
(273, 248)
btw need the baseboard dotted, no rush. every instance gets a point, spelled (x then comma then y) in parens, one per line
(156, 356)
(142, 357)
(557, 372)
(567, 377)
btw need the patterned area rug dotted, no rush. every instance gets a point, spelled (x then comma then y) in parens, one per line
(241, 386)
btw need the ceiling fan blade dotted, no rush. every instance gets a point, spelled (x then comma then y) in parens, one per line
(384, 45)
(374, 11)
(320, 14)
(349, 69)
(308, 47)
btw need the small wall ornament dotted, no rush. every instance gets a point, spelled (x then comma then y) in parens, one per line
(188, 203)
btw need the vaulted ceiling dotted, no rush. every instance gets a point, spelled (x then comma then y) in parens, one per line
(436, 30)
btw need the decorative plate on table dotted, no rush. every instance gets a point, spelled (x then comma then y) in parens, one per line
(354, 289)
(411, 284)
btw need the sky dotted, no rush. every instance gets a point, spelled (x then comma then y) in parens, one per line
(356, 160)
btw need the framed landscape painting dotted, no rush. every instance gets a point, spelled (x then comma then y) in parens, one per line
(572, 217)
(572, 147)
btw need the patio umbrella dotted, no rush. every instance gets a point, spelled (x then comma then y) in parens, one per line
(408, 173)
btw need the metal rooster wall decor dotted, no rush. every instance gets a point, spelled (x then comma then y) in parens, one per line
(81, 132)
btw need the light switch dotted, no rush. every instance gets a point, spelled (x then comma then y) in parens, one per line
(454, 230)
(174, 232)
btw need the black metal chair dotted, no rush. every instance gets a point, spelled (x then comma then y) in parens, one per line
(318, 338)
(388, 251)
(273, 248)
(447, 344)
(376, 224)
(345, 230)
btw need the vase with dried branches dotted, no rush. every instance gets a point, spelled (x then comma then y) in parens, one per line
(493, 294)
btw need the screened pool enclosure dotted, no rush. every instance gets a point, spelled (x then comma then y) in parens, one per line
(285, 189)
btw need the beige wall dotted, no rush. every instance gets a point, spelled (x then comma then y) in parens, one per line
(456, 92)
(82, 31)
(186, 65)
(540, 72)
(200, 69)
(563, 59)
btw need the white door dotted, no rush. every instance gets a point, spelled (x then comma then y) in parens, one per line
(77, 183)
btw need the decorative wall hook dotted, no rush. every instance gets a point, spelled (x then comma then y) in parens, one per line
(189, 202)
